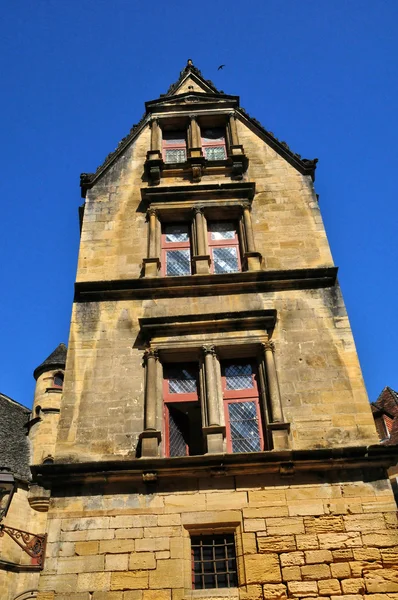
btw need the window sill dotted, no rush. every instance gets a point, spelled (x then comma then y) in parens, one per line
(57, 390)
(214, 593)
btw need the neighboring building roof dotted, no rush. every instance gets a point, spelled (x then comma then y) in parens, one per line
(304, 165)
(386, 407)
(14, 443)
(56, 360)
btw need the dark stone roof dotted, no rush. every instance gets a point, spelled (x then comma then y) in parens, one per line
(57, 359)
(14, 443)
(387, 404)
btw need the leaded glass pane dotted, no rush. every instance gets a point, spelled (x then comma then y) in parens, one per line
(177, 444)
(245, 434)
(213, 135)
(175, 155)
(215, 152)
(178, 262)
(181, 381)
(222, 230)
(239, 377)
(177, 233)
(225, 260)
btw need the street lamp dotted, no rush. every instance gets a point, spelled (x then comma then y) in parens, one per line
(31, 543)
(7, 489)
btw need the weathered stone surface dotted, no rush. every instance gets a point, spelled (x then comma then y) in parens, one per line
(136, 580)
(262, 568)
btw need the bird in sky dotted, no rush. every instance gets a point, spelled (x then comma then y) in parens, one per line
(220, 67)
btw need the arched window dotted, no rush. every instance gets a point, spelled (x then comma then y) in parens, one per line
(58, 381)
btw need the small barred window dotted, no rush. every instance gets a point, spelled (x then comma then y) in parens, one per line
(213, 561)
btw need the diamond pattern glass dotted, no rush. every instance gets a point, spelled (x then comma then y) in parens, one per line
(178, 262)
(177, 444)
(239, 377)
(245, 434)
(176, 233)
(181, 381)
(225, 260)
(215, 152)
(175, 155)
(223, 230)
(214, 561)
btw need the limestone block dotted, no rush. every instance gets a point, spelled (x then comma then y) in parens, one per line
(353, 586)
(168, 574)
(318, 556)
(307, 542)
(105, 596)
(267, 498)
(359, 568)
(156, 595)
(274, 591)
(304, 507)
(142, 561)
(152, 544)
(169, 519)
(84, 548)
(177, 503)
(315, 572)
(303, 589)
(324, 524)
(341, 570)
(80, 564)
(93, 581)
(133, 595)
(329, 586)
(282, 543)
(339, 540)
(265, 512)
(250, 592)
(367, 522)
(161, 532)
(58, 583)
(342, 555)
(369, 554)
(136, 580)
(116, 546)
(215, 501)
(382, 539)
(262, 568)
(285, 526)
(97, 534)
(116, 562)
(254, 525)
(291, 574)
(133, 533)
(292, 559)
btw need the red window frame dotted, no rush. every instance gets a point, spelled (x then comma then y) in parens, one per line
(245, 395)
(166, 246)
(214, 143)
(171, 398)
(180, 145)
(220, 243)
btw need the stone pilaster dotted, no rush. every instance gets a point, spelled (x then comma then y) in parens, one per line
(252, 258)
(277, 423)
(201, 259)
(195, 154)
(214, 432)
(152, 262)
(151, 436)
(236, 152)
(154, 159)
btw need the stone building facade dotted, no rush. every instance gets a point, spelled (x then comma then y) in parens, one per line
(215, 437)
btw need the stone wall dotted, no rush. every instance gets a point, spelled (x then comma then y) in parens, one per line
(326, 536)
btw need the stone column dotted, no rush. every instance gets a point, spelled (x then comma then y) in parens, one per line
(214, 432)
(154, 159)
(279, 429)
(152, 262)
(150, 437)
(252, 258)
(195, 155)
(233, 130)
(201, 259)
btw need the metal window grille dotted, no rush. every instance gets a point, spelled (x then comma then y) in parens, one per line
(213, 561)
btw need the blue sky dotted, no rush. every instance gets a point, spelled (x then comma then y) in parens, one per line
(75, 76)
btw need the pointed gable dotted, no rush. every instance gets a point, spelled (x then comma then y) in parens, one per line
(191, 79)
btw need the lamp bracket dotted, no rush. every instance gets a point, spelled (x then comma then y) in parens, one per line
(31, 543)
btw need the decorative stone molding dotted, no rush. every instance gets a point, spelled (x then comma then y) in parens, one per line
(39, 498)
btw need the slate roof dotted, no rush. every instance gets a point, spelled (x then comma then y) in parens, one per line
(14, 443)
(56, 360)
(304, 165)
(387, 405)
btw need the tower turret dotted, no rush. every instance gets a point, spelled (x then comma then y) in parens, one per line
(49, 377)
